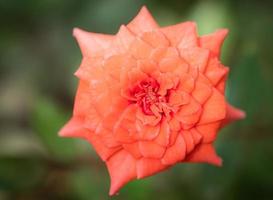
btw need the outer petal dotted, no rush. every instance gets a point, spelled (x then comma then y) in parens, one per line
(82, 101)
(125, 128)
(182, 35)
(208, 131)
(73, 128)
(214, 109)
(233, 114)
(103, 151)
(164, 134)
(175, 153)
(151, 149)
(196, 57)
(196, 136)
(108, 138)
(133, 149)
(201, 92)
(187, 83)
(189, 114)
(121, 42)
(122, 169)
(155, 39)
(143, 22)
(140, 49)
(92, 44)
(148, 166)
(213, 41)
(205, 153)
(188, 141)
(149, 132)
(216, 72)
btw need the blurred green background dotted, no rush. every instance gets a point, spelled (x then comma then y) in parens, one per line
(38, 58)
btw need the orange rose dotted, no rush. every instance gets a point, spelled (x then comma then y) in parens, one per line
(150, 97)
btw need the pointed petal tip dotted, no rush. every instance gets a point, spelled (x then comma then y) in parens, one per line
(142, 22)
(192, 23)
(240, 114)
(77, 31)
(218, 162)
(144, 11)
(234, 113)
(214, 41)
(73, 128)
(223, 31)
(122, 169)
(62, 133)
(113, 190)
(220, 34)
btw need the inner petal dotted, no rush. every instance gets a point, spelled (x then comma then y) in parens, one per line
(146, 95)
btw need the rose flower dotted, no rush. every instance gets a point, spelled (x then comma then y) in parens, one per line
(150, 97)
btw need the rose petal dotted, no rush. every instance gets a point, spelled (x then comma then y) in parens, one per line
(188, 109)
(73, 128)
(148, 166)
(233, 114)
(140, 49)
(155, 38)
(133, 149)
(125, 37)
(113, 113)
(82, 99)
(168, 64)
(179, 98)
(173, 137)
(186, 84)
(221, 86)
(93, 120)
(205, 153)
(151, 150)
(147, 66)
(182, 35)
(122, 169)
(113, 65)
(213, 41)
(125, 128)
(188, 121)
(164, 134)
(108, 139)
(103, 151)
(214, 109)
(188, 140)
(208, 131)
(196, 136)
(174, 124)
(217, 74)
(196, 57)
(143, 22)
(201, 92)
(92, 44)
(146, 120)
(175, 153)
(148, 132)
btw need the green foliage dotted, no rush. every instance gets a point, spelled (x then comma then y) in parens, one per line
(47, 119)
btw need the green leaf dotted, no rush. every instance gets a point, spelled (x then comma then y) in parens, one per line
(47, 119)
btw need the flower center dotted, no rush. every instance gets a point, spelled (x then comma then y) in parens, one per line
(146, 96)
